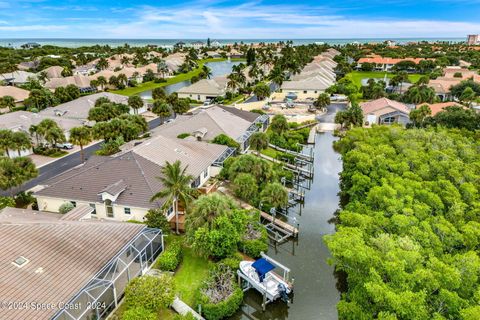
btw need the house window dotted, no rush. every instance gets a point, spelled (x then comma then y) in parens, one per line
(126, 210)
(92, 205)
(305, 91)
(74, 203)
(205, 173)
(198, 97)
(109, 208)
(316, 91)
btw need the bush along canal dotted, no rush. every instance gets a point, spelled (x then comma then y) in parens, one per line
(315, 295)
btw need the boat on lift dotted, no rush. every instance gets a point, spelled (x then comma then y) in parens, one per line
(260, 276)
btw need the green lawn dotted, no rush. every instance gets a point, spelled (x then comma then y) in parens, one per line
(190, 275)
(178, 78)
(357, 76)
(164, 314)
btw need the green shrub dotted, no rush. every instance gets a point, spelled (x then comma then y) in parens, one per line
(188, 316)
(139, 313)
(155, 218)
(171, 257)
(183, 135)
(66, 207)
(223, 309)
(49, 152)
(228, 295)
(149, 292)
(232, 262)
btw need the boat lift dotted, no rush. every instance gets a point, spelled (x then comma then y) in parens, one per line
(246, 283)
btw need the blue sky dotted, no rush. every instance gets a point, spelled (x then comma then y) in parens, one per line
(225, 19)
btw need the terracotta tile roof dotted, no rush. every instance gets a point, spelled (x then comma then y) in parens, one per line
(382, 60)
(17, 93)
(437, 107)
(377, 105)
(62, 257)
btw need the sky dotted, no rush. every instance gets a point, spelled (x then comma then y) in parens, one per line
(226, 19)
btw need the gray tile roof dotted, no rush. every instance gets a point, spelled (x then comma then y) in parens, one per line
(196, 155)
(63, 256)
(245, 115)
(86, 182)
(215, 87)
(22, 120)
(215, 119)
(79, 108)
(78, 213)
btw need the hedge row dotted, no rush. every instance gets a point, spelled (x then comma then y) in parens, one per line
(171, 257)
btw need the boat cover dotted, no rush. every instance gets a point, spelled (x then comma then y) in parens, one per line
(262, 267)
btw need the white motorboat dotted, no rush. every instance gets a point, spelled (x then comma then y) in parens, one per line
(261, 276)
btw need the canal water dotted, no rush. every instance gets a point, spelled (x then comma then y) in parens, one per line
(218, 68)
(315, 293)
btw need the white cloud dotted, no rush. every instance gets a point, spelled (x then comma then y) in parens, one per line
(206, 18)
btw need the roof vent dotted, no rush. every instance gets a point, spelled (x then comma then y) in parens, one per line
(39, 270)
(20, 261)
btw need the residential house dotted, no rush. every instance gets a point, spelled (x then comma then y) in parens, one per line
(16, 93)
(205, 89)
(61, 266)
(197, 45)
(452, 76)
(385, 111)
(315, 77)
(85, 70)
(17, 77)
(23, 120)
(438, 107)
(78, 109)
(384, 63)
(120, 187)
(473, 39)
(53, 72)
(80, 81)
(207, 123)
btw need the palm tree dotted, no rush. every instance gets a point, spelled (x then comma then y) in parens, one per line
(161, 109)
(323, 100)
(277, 76)
(176, 187)
(50, 131)
(102, 64)
(7, 102)
(21, 141)
(15, 172)
(275, 194)
(81, 136)
(207, 71)
(206, 208)
(102, 82)
(467, 96)
(33, 130)
(122, 79)
(125, 60)
(135, 102)
(42, 76)
(5, 141)
(259, 141)
(232, 82)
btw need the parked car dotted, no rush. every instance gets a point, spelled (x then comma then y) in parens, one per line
(65, 145)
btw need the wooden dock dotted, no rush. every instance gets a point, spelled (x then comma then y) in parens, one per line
(288, 228)
(312, 135)
(307, 157)
(291, 167)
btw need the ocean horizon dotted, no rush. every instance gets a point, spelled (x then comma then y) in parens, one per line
(74, 43)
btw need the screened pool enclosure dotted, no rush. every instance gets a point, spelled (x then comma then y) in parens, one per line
(104, 291)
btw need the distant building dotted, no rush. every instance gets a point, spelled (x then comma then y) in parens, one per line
(30, 45)
(17, 77)
(385, 64)
(197, 44)
(179, 45)
(473, 39)
(205, 89)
